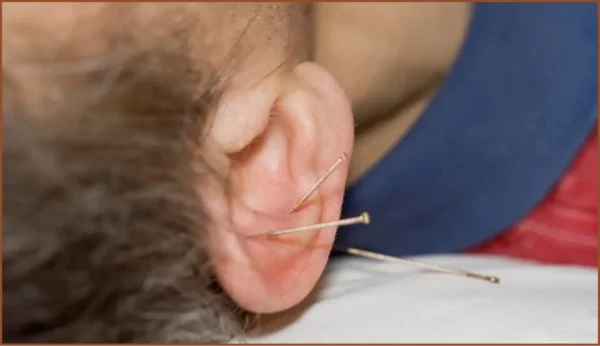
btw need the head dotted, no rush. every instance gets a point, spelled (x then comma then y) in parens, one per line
(143, 144)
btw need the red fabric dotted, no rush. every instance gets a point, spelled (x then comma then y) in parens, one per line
(563, 229)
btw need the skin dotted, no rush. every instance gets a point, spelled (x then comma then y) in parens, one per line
(257, 104)
(403, 52)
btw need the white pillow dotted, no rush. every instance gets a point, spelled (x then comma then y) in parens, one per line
(365, 301)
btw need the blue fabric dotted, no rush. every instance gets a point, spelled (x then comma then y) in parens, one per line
(516, 108)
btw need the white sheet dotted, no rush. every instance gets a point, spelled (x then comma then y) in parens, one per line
(367, 301)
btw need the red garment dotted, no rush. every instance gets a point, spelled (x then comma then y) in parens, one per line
(563, 228)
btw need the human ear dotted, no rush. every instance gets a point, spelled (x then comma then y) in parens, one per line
(279, 138)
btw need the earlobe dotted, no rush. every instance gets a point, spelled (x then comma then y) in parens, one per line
(309, 126)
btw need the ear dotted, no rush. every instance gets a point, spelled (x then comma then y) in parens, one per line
(280, 137)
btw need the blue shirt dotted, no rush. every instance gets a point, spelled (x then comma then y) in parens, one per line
(517, 106)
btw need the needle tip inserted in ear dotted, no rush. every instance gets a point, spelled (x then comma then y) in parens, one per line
(304, 198)
(363, 218)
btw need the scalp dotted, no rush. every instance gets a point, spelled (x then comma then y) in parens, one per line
(103, 235)
(104, 108)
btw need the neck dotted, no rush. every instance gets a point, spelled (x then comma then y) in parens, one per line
(390, 58)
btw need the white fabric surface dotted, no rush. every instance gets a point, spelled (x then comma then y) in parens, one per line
(367, 301)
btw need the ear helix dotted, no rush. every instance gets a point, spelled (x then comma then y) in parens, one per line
(314, 188)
